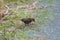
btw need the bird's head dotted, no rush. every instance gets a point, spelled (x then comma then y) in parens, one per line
(33, 20)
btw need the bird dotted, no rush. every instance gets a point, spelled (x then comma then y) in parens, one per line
(27, 20)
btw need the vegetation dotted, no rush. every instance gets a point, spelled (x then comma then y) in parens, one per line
(11, 26)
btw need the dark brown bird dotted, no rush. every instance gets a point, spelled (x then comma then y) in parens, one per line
(27, 20)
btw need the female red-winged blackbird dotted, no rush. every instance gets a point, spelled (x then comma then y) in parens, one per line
(27, 20)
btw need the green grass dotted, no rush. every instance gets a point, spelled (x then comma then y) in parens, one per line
(14, 20)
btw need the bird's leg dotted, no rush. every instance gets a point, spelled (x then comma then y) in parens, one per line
(26, 24)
